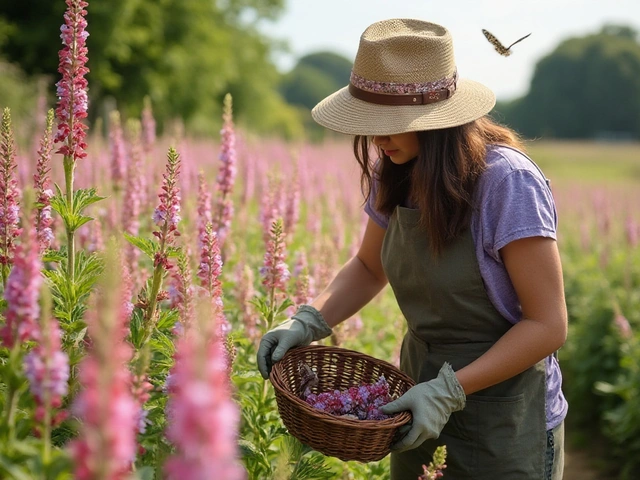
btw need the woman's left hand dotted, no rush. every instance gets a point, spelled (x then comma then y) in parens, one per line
(431, 404)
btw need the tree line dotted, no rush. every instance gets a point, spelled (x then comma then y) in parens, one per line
(185, 56)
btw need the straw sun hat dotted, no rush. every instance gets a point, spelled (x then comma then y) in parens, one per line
(404, 79)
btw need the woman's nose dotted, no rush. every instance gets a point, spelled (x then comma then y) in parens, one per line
(379, 139)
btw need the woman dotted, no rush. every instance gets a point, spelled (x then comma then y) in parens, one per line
(463, 227)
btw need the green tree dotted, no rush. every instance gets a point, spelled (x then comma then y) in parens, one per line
(185, 55)
(588, 87)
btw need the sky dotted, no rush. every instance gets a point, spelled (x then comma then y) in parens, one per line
(310, 26)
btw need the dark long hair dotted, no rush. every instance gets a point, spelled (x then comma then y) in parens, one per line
(440, 181)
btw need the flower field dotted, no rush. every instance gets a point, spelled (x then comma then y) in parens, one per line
(139, 272)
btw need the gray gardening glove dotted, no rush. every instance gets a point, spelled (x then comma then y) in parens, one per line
(431, 403)
(305, 326)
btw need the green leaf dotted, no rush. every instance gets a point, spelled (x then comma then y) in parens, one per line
(248, 449)
(145, 473)
(148, 247)
(84, 197)
(54, 256)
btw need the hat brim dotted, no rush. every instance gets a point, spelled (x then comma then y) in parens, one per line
(344, 113)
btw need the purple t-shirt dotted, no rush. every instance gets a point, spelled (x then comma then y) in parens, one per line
(511, 201)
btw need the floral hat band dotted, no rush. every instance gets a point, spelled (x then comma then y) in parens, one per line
(390, 93)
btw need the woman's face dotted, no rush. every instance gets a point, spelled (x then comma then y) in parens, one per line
(401, 147)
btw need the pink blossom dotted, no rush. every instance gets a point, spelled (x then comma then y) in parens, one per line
(41, 187)
(623, 326)
(148, 127)
(47, 369)
(133, 199)
(21, 293)
(118, 151)
(275, 271)
(244, 292)
(209, 273)
(72, 88)
(105, 446)
(304, 289)
(226, 174)
(167, 213)
(632, 231)
(9, 196)
(292, 210)
(204, 206)
(203, 419)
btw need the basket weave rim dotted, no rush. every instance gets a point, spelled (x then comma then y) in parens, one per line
(277, 371)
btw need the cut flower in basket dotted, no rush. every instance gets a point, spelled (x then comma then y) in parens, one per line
(358, 402)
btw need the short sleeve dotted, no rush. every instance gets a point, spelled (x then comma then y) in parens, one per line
(520, 206)
(369, 207)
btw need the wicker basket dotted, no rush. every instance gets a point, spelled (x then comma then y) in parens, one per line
(337, 369)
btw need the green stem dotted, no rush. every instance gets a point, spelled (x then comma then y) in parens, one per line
(12, 394)
(69, 167)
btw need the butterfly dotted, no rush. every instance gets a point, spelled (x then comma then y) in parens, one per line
(501, 49)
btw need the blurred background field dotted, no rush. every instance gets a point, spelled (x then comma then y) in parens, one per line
(579, 114)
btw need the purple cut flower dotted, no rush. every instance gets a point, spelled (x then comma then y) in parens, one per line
(361, 402)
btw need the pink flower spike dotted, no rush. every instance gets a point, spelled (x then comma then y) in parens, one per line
(226, 174)
(9, 196)
(105, 447)
(22, 292)
(203, 419)
(275, 271)
(72, 88)
(41, 187)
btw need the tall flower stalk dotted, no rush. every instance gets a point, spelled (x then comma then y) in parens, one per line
(9, 196)
(227, 174)
(166, 217)
(41, 182)
(47, 368)
(106, 447)
(275, 271)
(72, 108)
(21, 321)
(202, 417)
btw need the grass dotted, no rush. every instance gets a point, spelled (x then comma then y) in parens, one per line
(588, 162)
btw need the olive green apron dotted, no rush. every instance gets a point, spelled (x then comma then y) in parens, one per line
(501, 432)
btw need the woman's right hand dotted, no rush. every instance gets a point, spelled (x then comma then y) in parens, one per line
(306, 326)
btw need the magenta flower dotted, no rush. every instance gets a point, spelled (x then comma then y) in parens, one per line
(9, 196)
(244, 292)
(72, 88)
(181, 291)
(118, 151)
(41, 187)
(203, 419)
(148, 127)
(204, 206)
(623, 326)
(362, 402)
(226, 174)
(105, 447)
(275, 271)
(47, 369)
(209, 273)
(304, 289)
(21, 293)
(292, 209)
(167, 213)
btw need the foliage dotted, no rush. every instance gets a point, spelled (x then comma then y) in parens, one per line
(185, 55)
(588, 87)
